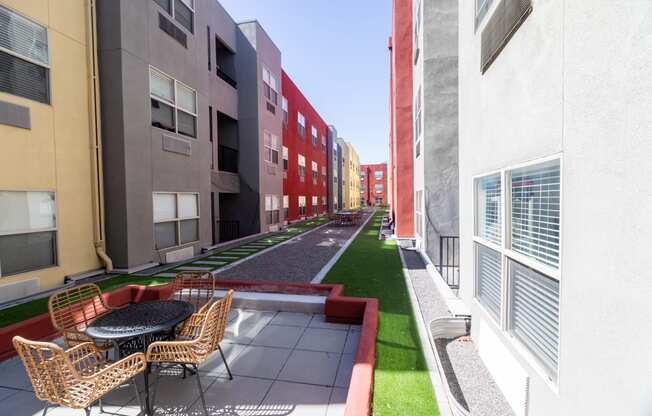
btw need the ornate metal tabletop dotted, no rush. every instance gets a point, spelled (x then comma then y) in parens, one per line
(140, 319)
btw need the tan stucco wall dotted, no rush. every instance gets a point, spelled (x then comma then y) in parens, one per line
(55, 154)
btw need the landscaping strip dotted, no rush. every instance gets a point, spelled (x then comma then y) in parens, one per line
(372, 268)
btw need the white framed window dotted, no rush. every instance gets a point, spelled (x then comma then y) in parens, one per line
(315, 172)
(301, 160)
(284, 106)
(418, 211)
(271, 147)
(417, 124)
(286, 206)
(272, 209)
(270, 86)
(183, 11)
(302, 205)
(301, 125)
(517, 236)
(176, 219)
(315, 205)
(24, 57)
(323, 143)
(285, 158)
(314, 136)
(28, 231)
(378, 175)
(378, 188)
(173, 104)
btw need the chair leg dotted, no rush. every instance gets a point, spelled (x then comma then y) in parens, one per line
(140, 401)
(101, 406)
(225, 363)
(88, 411)
(45, 410)
(201, 391)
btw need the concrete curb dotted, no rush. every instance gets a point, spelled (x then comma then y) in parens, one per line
(428, 347)
(236, 263)
(328, 266)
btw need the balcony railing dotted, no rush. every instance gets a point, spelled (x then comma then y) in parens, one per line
(226, 77)
(449, 255)
(227, 159)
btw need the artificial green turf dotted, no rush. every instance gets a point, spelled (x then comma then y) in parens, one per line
(372, 268)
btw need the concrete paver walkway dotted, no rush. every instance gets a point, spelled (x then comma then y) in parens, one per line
(299, 260)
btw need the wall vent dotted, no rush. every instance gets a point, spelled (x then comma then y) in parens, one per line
(19, 290)
(503, 23)
(15, 115)
(174, 145)
(179, 255)
(171, 29)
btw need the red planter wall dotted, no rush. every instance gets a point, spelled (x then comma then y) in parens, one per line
(296, 145)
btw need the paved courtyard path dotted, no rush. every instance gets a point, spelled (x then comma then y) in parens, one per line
(298, 260)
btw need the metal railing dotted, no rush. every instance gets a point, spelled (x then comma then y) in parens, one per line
(449, 260)
(228, 229)
(227, 159)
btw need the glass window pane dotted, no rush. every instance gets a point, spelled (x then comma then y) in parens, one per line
(161, 86)
(162, 115)
(183, 15)
(186, 99)
(488, 215)
(165, 207)
(536, 211)
(24, 252)
(488, 278)
(189, 231)
(22, 36)
(187, 124)
(188, 206)
(26, 211)
(165, 235)
(165, 5)
(25, 79)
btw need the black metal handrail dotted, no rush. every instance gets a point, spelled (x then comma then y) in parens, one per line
(226, 77)
(449, 256)
(229, 230)
(227, 159)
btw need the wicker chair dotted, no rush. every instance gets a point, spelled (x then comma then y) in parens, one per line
(196, 351)
(77, 377)
(72, 310)
(198, 289)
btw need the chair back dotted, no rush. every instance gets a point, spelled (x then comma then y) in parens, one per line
(194, 287)
(48, 369)
(214, 325)
(75, 308)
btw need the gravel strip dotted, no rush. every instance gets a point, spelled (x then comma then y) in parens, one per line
(468, 378)
(299, 260)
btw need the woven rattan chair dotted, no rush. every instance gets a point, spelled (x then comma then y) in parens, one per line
(198, 289)
(196, 351)
(72, 310)
(77, 377)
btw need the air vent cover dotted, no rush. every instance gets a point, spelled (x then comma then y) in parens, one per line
(504, 22)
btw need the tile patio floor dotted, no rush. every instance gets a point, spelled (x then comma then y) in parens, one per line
(283, 364)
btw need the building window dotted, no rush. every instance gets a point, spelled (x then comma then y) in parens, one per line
(323, 143)
(28, 231)
(272, 209)
(418, 211)
(284, 106)
(481, 9)
(314, 136)
(302, 206)
(208, 45)
(176, 219)
(417, 123)
(285, 158)
(302, 168)
(315, 205)
(271, 147)
(315, 172)
(523, 264)
(323, 174)
(174, 105)
(183, 12)
(301, 125)
(24, 57)
(417, 30)
(379, 175)
(378, 188)
(270, 85)
(286, 206)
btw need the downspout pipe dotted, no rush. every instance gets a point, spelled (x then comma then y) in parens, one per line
(97, 171)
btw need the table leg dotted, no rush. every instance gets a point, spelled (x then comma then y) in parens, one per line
(148, 410)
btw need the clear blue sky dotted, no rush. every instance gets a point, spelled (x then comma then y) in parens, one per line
(336, 52)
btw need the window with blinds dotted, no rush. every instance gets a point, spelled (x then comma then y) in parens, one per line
(488, 279)
(24, 57)
(174, 105)
(535, 211)
(534, 313)
(488, 210)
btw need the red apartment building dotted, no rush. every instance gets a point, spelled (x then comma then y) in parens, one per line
(304, 155)
(401, 153)
(373, 184)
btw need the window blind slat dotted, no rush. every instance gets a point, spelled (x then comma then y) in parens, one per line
(489, 279)
(25, 79)
(23, 37)
(489, 207)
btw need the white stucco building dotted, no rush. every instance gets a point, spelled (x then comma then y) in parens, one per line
(555, 141)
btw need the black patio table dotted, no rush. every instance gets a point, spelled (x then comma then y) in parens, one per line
(139, 324)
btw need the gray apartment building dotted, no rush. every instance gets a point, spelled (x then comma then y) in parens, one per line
(184, 152)
(334, 170)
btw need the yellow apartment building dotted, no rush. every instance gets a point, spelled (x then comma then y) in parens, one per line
(350, 176)
(51, 224)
